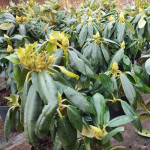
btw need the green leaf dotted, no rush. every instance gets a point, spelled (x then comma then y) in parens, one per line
(34, 78)
(79, 65)
(120, 31)
(128, 89)
(121, 120)
(7, 125)
(106, 115)
(58, 56)
(105, 52)
(126, 63)
(13, 58)
(117, 57)
(130, 26)
(75, 118)
(83, 35)
(79, 100)
(141, 86)
(129, 111)
(16, 73)
(99, 105)
(107, 137)
(51, 47)
(106, 82)
(57, 143)
(5, 26)
(22, 29)
(147, 66)
(90, 29)
(66, 133)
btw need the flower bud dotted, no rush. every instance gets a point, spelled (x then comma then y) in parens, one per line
(111, 18)
(123, 45)
(121, 17)
(115, 66)
(90, 19)
(97, 36)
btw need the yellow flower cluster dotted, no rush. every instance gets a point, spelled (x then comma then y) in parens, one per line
(60, 39)
(33, 60)
(21, 19)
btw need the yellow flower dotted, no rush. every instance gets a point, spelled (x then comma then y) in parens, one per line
(121, 17)
(115, 67)
(111, 18)
(21, 19)
(33, 60)
(97, 36)
(90, 19)
(123, 45)
(94, 132)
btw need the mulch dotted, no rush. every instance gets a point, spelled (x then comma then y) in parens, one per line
(4, 93)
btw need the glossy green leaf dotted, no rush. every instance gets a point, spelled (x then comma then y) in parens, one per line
(90, 30)
(75, 118)
(99, 105)
(147, 66)
(13, 58)
(129, 111)
(117, 57)
(128, 89)
(130, 26)
(66, 133)
(83, 35)
(107, 137)
(120, 31)
(106, 82)
(7, 128)
(121, 120)
(79, 100)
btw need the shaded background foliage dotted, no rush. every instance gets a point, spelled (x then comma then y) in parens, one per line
(74, 3)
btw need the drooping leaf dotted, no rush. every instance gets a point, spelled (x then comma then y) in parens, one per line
(67, 73)
(107, 137)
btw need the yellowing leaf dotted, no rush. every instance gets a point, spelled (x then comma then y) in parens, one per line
(68, 73)
(5, 26)
(142, 22)
(31, 11)
(86, 132)
(98, 133)
(59, 98)
(117, 147)
(145, 133)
